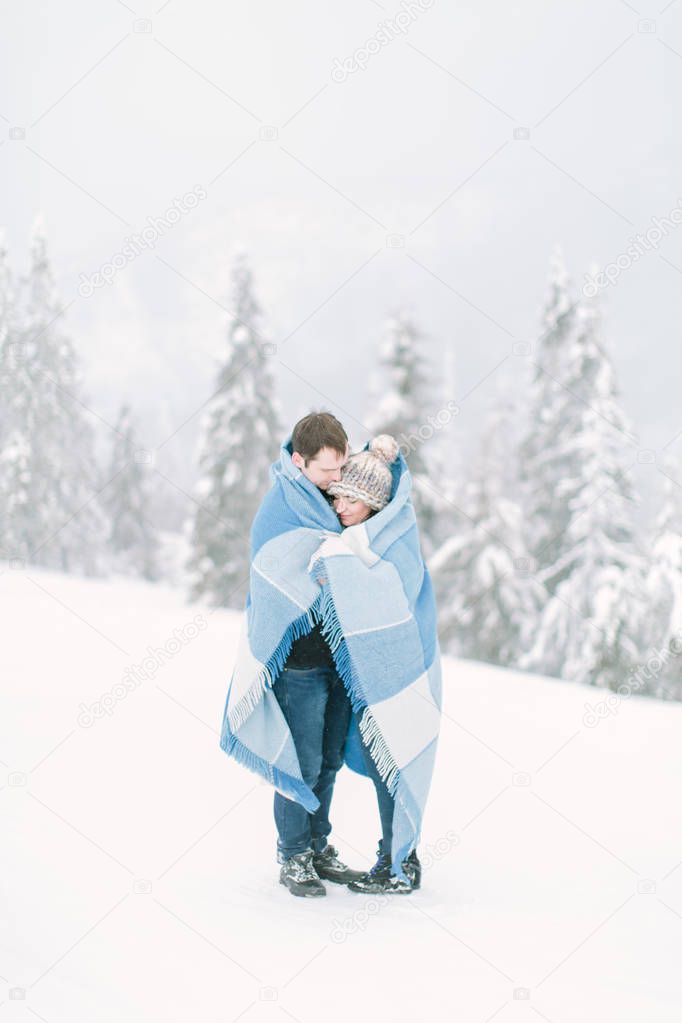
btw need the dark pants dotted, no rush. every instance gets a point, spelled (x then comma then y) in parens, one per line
(317, 709)
(384, 799)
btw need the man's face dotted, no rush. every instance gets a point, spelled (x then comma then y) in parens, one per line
(324, 468)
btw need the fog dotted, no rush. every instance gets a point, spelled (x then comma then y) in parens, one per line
(367, 157)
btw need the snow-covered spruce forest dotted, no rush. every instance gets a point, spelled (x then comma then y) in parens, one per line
(537, 552)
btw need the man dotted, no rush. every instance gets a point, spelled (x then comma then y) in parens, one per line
(313, 699)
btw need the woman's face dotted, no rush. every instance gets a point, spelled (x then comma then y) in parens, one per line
(351, 510)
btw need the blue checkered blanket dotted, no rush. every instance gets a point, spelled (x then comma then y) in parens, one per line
(370, 589)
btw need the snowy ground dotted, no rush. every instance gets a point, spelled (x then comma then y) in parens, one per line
(140, 875)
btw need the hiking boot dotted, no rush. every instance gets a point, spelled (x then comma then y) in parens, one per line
(299, 875)
(413, 869)
(328, 866)
(380, 879)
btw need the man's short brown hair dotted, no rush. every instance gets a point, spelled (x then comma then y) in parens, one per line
(318, 430)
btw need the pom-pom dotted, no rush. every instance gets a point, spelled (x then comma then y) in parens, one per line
(385, 446)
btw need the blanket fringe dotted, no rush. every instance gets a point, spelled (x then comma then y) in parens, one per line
(266, 677)
(294, 788)
(381, 754)
(369, 729)
(322, 612)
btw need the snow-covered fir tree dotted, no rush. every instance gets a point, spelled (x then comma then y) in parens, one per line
(48, 477)
(664, 585)
(594, 625)
(240, 438)
(445, 457)
(543, 462)
(400, 405)
(487, 596)
(8, 340)
(133, 539)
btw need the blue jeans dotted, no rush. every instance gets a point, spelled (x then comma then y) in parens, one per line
(317, 709)
(384, 799)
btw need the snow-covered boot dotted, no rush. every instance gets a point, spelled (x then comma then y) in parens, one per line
(299, 875)
(381, 879)
(329, 867)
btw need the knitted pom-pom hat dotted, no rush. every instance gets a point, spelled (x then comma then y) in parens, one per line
(366, 475)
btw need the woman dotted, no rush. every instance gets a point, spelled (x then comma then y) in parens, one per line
(364, 489)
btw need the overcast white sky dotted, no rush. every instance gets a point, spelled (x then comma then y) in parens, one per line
(420, 143)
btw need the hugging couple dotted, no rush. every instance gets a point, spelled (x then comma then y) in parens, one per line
(338, 659)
